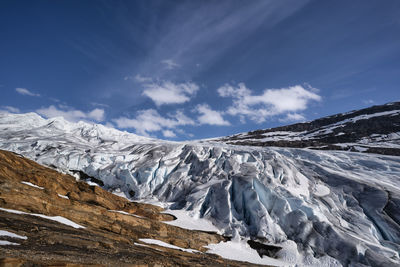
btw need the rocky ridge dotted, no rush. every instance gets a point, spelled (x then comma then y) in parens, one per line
(371, 130)
(109, 227)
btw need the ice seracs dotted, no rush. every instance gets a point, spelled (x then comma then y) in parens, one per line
(321, 207)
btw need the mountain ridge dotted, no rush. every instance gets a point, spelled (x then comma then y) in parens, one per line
(372, 130)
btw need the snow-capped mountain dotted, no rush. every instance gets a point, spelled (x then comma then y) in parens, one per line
(322, 208)
(374, 130)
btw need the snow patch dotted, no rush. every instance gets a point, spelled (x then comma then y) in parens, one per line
(163, 244)
(127, 213)
(361, 148)
(187, 221)
(241, 251)
(91, 183)
(321, 190)
(33, 185)
(9, 234)
(59, 219)
(7, 243)
(143, 245)
(62, 196)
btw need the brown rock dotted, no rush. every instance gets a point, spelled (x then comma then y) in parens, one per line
(108, 238)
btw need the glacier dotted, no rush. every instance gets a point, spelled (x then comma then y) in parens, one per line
(323, 208)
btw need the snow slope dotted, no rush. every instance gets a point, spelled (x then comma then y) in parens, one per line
(324, 208)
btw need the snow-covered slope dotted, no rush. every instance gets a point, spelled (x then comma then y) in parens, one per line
(324, 208)
(375, 130)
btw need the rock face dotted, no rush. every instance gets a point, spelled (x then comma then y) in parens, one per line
(371, 130)
(106, 237)
(322, 208)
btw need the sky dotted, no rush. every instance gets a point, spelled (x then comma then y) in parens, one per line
(182, 70)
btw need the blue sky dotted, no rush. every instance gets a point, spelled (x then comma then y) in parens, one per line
(196, 69)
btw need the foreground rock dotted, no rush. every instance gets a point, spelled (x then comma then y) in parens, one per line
(100, 235)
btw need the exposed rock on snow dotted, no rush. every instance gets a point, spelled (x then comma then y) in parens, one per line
(372, 130)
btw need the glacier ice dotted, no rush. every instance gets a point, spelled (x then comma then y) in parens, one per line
(324, 208)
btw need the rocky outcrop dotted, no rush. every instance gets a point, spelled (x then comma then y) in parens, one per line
(107, 238)
(372, 130)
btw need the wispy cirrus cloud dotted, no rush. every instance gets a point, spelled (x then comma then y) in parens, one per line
(71, 114)
(141, 79)
(202, 32)
(272, 102)
(95, 104)
(24, 91)
(170, 64)
(138, 78)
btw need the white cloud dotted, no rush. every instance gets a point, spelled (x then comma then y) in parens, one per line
(182, 119)
(169, 134)
(285, 99)
(271, 102)
(290, 117)
(170, 64)
(167, 92)
(209, 116)
(164, 92)
(24, 91)
(238, 92)
(150, 120)
(109, 125)
(71, 114)
(9, 109)
(97, 114)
